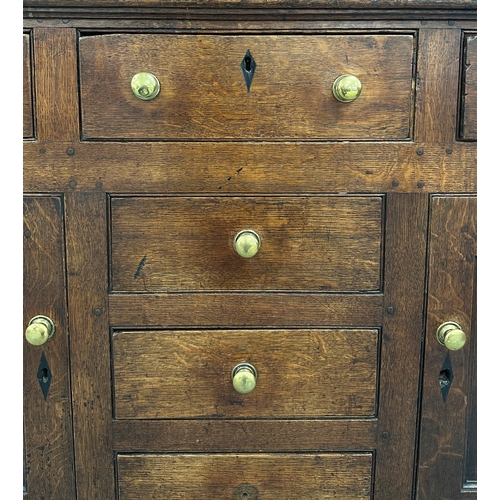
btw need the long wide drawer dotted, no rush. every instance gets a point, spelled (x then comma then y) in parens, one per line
(246, 87)
(322, 476)
(308, 243)
(299, 373)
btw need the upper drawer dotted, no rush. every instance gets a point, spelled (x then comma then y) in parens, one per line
(308, 243)
(28, 128)
(205, 89)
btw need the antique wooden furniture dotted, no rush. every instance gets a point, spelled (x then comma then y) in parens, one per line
(249, 249)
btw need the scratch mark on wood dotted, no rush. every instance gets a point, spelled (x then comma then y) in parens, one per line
(139, 267)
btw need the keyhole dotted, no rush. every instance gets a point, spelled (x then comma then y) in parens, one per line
(444, 378)
(45, 375)
(248, 63)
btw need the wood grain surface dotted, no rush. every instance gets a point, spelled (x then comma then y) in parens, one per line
(469, 88)
(186, 244)
(85, 226)
(244, 435)
(28, 122)
(445, 443)
(301, 373)
(203, 92)
(381, 4)
(56, 96)
(205, 477)
(251, 167)
(47, 421)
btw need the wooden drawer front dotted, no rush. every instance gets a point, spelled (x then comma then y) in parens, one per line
(28, 128)
(301, 373)
(468, 125)
(204, 94)
(186, 243)
(321, 476)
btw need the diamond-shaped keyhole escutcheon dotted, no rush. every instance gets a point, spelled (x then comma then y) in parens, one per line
(446, 377)
(248, 66)
(44, 376)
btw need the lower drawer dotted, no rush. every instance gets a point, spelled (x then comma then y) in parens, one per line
(347, 476)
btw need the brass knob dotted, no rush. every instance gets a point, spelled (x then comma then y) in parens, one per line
(40, 329)
(244, 377)
(145, 86)
(451, 335)
(346, 88)
(246, 243)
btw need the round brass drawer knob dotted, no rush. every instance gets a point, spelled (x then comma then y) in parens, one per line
(451, 336)
(246, 243)
(244, 377)
(145, 86)
(346, 88)
(40, 329)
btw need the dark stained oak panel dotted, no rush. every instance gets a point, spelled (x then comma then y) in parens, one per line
(335, 4)
(447, 443)
(309, 243)
(318, 476)
(47, 414)
(468, 125)
(251, 167)
(28, 125)
(204, 95)
(301, 373)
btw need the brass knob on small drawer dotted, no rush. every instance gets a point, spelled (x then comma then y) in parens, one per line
(346, 88)
(40, 329)
(145, 86)
(451, 336)
(244, 377)
(246, 243)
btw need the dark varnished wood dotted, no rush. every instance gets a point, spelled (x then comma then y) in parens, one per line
(244, 435)
(28, 125)
(438, 76)
(47, 422)
(251, 167)
(245, 309)
(360, 4)
(186, 243)
(468, 123)
(443, 444)
(281, 160)
(54, 52)
(203, 92)
(301, 373)
(405, 247)
(293, 476)
(85, 223)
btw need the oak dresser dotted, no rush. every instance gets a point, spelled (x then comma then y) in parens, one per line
(250, 249)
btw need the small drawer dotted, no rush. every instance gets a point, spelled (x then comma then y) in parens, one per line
(307, 243)
(294, 476)
(28, 122)
(297, 373)
(246, 87)
(468, 121)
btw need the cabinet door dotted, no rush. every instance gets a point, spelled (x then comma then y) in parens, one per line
(448, 445)
(48, 433)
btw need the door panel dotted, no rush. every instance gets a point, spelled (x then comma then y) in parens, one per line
(48, 432)
(448, 449)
